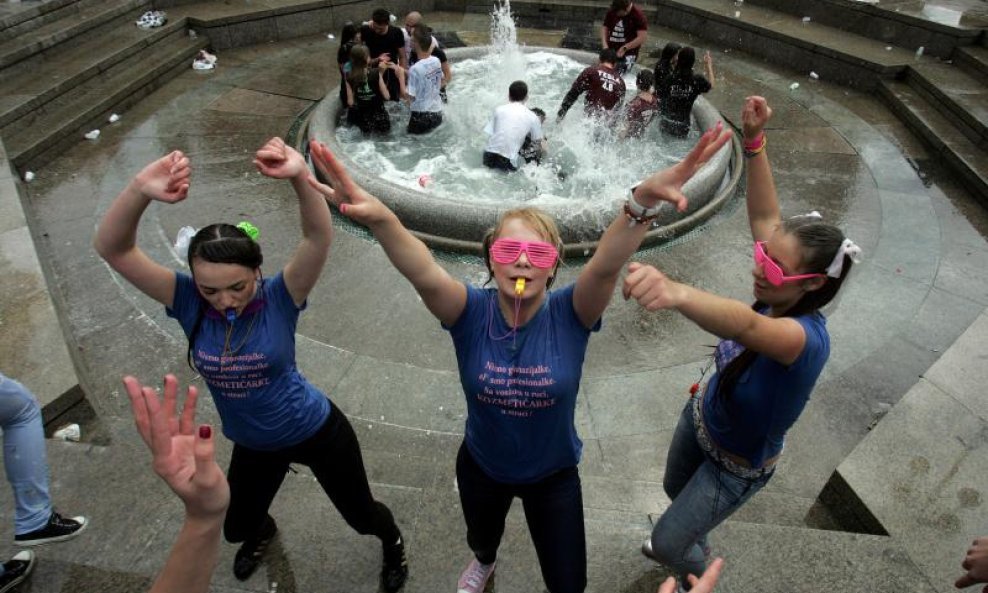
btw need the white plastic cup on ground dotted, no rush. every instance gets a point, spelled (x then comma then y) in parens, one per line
(69, 432)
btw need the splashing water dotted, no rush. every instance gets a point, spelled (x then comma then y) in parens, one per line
(587, 168)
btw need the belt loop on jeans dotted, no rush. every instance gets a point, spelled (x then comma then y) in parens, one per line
(715, 453)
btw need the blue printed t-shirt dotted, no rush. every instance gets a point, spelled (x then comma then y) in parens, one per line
(263, 400)
(768, 398)
(521, 390)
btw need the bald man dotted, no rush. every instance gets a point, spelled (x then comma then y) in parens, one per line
(411, 20)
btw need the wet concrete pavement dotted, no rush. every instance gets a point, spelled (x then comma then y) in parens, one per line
(369, 343)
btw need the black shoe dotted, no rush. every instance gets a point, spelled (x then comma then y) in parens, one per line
(394, 572)
(58, 529)
(249, 555)
(16, 570)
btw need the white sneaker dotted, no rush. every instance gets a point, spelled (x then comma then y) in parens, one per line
(474, 578)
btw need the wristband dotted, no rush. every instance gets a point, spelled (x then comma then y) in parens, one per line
(755, 147)
(637, 213)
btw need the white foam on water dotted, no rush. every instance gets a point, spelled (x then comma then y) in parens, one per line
(586, 168)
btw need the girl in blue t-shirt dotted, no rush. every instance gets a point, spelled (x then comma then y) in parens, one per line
(520, 351)
(241, 331)
(730, 434)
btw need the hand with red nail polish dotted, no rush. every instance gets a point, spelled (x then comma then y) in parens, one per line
(183, 455)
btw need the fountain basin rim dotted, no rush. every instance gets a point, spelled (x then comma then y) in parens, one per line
(451, 225)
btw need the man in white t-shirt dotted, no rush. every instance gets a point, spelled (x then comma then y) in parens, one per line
(425, 79)
(509, 127)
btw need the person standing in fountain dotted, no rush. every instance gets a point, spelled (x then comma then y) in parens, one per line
(625, 30)
(366, 93)
(385, 43)
(412, 19)
(642, 109)
(603, 85)
(678, 91)
(241, 332)
(425, 80)
(730, 434)
(520, 349)
(349, 37)
(512, 123)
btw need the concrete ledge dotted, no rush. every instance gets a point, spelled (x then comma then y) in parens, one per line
(876, 22)
(238, 23)
(923, 471)
(32, 346)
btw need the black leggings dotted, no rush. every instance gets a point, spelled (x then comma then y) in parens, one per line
(333, 455)
(554, 512)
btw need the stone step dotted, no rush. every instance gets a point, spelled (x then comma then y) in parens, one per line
(37, 137)
(948, 142)
(53, 35)
(900, 26)
(959, 96)
(28, 18)
(782, 38)
(973, 59)
(27, 91)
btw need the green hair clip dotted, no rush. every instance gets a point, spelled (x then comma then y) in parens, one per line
(252, 231)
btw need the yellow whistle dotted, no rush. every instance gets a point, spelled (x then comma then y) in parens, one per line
(519, 286)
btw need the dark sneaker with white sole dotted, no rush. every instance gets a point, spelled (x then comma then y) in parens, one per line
(251, 552)
(16, 570)
(58, 529)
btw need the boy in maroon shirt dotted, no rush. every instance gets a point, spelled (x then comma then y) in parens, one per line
(602, 84)
(642, 109)
(625, 31)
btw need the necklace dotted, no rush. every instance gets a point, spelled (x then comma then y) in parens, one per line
(227, 352)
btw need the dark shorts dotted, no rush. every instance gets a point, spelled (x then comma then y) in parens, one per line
(496, 161)
(423, 122)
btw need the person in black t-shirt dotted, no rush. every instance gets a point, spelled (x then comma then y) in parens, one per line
(366, 93)
(349, 37)
(680, 89)
(385, 43)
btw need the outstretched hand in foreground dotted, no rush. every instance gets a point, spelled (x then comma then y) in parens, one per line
(976, 564)
(667, 185)
(166, 179)
(704, 584)
(184, 457)
(343, 192)
(182, 454)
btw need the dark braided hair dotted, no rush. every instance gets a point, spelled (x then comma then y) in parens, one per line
(818, 243)
(221, 244)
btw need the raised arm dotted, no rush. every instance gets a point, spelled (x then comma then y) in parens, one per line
(780, 338)
(596, 282)
(578, 87)
(443, 296)
(183, 455)
(165, 180)
(763, 202)
(708, 66)
(280, 161)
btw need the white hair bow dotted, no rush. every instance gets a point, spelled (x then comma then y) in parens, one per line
(849, 248)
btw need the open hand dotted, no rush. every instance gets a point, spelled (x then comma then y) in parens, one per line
(181, 455)
(707, 58)
(667, 185)
(976, 565)
(166, 179)
(279, 161)
(352, 200)
(704, 584)
(651, 288)
(754, 115)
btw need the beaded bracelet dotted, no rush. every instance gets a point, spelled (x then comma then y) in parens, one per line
(636, 219)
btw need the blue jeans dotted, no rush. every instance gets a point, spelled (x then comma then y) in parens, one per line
(554, 512)
(703, 495)
(24, 456)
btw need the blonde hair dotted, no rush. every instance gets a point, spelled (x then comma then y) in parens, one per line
(535, 219)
